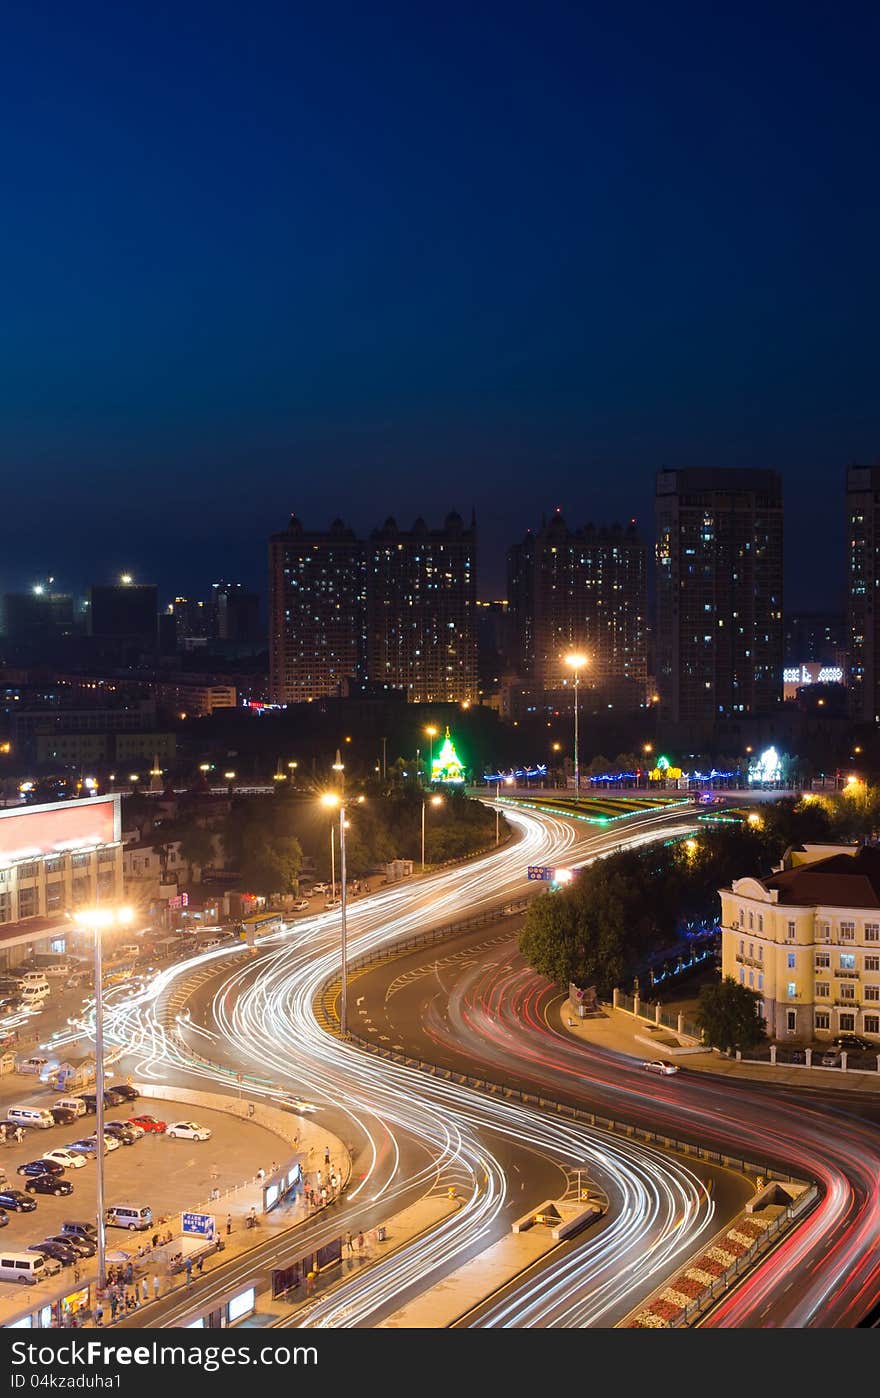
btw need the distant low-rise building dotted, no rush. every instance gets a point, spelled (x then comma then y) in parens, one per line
(807, 938)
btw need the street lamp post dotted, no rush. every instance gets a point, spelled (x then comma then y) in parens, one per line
(576, 661)
(435, 801)
(98, 918)
(332, 799)
(431, 732)
(497, 826)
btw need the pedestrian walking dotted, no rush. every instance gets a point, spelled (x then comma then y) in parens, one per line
(319, 1177)
(189, 1271)
(326, 1155)
(200, 1264)
(113, 1305)
(155, 1240)
(19, 1134)
(310, 1282)
(349, 1242)
(323, 1194)
(145, 1290)
(361, 1241)
(228, 1224)
(99, 1314)
(3, 1132)
(156, 1285)
(273, 1168)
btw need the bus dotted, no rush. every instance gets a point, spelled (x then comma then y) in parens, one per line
(259, 924)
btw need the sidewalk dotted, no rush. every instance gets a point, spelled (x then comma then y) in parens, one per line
(622, 1032)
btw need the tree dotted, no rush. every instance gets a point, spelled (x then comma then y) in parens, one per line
(196, 847)
(729, 1016)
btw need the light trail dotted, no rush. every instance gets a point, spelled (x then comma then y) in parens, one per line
(659, 1208)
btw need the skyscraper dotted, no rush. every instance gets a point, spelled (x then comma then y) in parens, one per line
(719, 593)
(316, 611)
(863, 581)
(581, 589)
(421, 610)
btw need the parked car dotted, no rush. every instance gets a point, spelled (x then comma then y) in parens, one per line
(122, 1131)
(332, 903)
(16, 1201)
(189, 1131)
(137, 1131)
(64, 1116)
(60, 1252)
(856, 1043)
(66, 1158)
(51, 1265)
(127, 1092)
(86, 1247)
(87, 1146)
(299, 905)
(149, 1123)
(48, 1184)
(659, 1065)
(830, 1059)
(81, 1230)
(110, 1143)
(43, 1166)
(320, 888)
(113, 1097)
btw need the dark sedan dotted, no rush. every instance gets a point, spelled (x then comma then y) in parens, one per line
(83, 1246)
(15, 1200)
(87, 1146)
(60, 1251)
(128, 1093)
(121, 1131)
(63, 1116)
(48, 1184)
(40, 1167)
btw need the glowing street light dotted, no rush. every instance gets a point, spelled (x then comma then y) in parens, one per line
(99, 919)
(434, 801)
(576, 662)
(126, 579)
(431, 734)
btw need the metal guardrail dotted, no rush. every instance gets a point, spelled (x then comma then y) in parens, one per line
(619, 1128)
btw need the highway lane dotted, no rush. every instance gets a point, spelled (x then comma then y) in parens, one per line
(265, 1011)
(498, 1013)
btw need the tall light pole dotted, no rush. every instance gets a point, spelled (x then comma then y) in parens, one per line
(435, 801)
(332, 860)
(335, 801)
(576, 661)
(431, 733)
(98, 918)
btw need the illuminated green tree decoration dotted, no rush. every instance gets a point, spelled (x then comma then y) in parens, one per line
(446, 766)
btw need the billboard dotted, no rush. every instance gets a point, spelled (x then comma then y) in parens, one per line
(30, 832)
(812, 672)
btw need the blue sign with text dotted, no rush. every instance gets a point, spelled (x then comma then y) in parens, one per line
(203, 1224)
(541, 871)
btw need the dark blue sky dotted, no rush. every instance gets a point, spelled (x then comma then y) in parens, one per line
(349, 260)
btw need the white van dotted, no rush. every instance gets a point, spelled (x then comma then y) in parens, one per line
(33, 996)
(73, 1104)
(40, 1117)
(27, 1267)
(57, 969)
(129, 1216)
(35, 980)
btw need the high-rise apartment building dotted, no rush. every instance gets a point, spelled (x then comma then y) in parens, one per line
(719, 633)
(581, 589)
(317, 607)
(421, 610)
(863, 584)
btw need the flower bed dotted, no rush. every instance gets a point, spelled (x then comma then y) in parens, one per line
(690, 1284)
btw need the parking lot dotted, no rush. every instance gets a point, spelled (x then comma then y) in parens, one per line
(168, 1175)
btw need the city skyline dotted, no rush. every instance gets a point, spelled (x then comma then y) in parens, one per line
(607, 247)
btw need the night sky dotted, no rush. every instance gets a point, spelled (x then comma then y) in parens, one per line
(354, 260)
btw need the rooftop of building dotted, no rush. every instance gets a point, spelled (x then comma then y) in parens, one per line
(845, 879)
